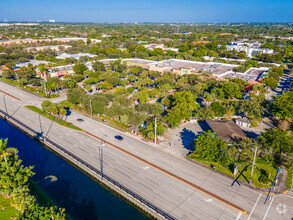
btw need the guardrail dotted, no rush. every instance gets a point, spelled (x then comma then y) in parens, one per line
(108, 178)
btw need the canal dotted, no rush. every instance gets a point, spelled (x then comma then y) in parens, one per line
(82, 197)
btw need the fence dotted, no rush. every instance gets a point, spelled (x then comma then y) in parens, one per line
(89, 166)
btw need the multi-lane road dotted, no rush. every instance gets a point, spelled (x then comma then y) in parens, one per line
(155, 175)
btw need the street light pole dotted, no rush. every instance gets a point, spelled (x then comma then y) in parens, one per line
(91, 108)
(101, 155)
(101, 158)
(17, 77)
(155, 130)
(45, 87)
(250, 181)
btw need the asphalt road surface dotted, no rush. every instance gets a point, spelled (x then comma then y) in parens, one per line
(172, 195)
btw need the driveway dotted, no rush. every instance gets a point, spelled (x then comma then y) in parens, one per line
(281, 85)
(256, 131)
(180, 140)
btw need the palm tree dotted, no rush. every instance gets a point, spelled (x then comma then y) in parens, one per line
(55, 87)
(63, 112)
(4, 150)
(72, 84)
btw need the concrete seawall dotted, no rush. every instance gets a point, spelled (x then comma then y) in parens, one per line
(89, 170)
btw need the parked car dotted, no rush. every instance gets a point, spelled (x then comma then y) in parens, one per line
(118, 137)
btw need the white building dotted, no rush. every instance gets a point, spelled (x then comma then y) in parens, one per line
(251, 49)
(165, 49)
(243, 122)
(105, 35)
(54, 47)
(68, 39)
(75, 56)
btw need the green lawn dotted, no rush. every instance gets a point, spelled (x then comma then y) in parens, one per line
(259, 165)
(110, 121)
(8, 210)
(28, 88)
(53, 118)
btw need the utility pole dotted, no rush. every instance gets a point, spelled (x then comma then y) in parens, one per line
(101, 155)
(17, 77)
(7, 116)
(45, 87)
(280, 170)
(91, 108)
(155, 130)
(250, 181)
(101, 158)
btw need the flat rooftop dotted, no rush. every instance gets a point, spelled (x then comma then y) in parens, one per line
(139, 61)
(250, 74)
(212, 67)
(33, 62)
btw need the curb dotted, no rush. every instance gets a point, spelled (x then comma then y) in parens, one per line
(123, 192)
(239, 180)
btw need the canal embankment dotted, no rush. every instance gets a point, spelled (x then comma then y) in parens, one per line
(142, 204)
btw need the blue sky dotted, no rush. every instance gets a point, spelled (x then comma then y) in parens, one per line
(148, 10)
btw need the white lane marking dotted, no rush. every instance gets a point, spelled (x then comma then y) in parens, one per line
(107, 126)
(239, 215)
(268, 208)
(254, 206)
(281, 208)
(208, 200)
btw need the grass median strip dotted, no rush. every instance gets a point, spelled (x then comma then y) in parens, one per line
(28, 88)
(234, 206)
(289, 179)
(101, 118)
(53, 118)
(260, 166)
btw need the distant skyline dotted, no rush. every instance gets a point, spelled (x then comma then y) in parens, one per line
(184, 11)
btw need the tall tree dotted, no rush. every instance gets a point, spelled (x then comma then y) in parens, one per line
(79, 68)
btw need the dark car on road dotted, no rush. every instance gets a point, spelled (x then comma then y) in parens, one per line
(118, 137)
(79, 120)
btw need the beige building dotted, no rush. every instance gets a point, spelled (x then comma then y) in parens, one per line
(62, 40)
(54, 47)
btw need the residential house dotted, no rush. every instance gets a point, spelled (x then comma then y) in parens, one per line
(227, 130)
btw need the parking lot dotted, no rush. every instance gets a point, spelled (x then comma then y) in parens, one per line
(283, 84)
(180, 140)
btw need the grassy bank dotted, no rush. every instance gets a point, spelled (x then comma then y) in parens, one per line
(6, 210)
(245, 169)
(28, 88)
(53, 118)
(42, 197)
(101, 118)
